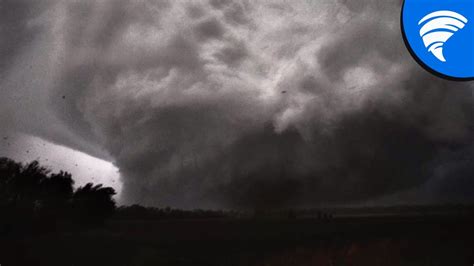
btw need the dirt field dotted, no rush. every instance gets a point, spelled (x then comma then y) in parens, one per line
(356, 241)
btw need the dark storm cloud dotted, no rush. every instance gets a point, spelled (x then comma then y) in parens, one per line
(26, 74)
(14, 29)
(232, 55)
(211, 28)
(262, 104)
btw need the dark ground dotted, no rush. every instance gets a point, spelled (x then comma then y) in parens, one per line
(381, 241)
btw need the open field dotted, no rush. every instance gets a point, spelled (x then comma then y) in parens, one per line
(365, 241)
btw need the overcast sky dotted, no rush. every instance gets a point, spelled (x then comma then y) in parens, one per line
(232, 104)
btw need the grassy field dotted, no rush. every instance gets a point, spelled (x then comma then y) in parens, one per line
(366, 241)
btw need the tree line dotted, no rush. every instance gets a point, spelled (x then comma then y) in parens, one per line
(34, 198)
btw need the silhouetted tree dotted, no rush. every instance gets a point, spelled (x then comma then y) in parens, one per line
(93, 203)
(22, 188)
(57, 192)
(30, 196)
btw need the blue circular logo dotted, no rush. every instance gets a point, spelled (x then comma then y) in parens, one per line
(440, 36)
